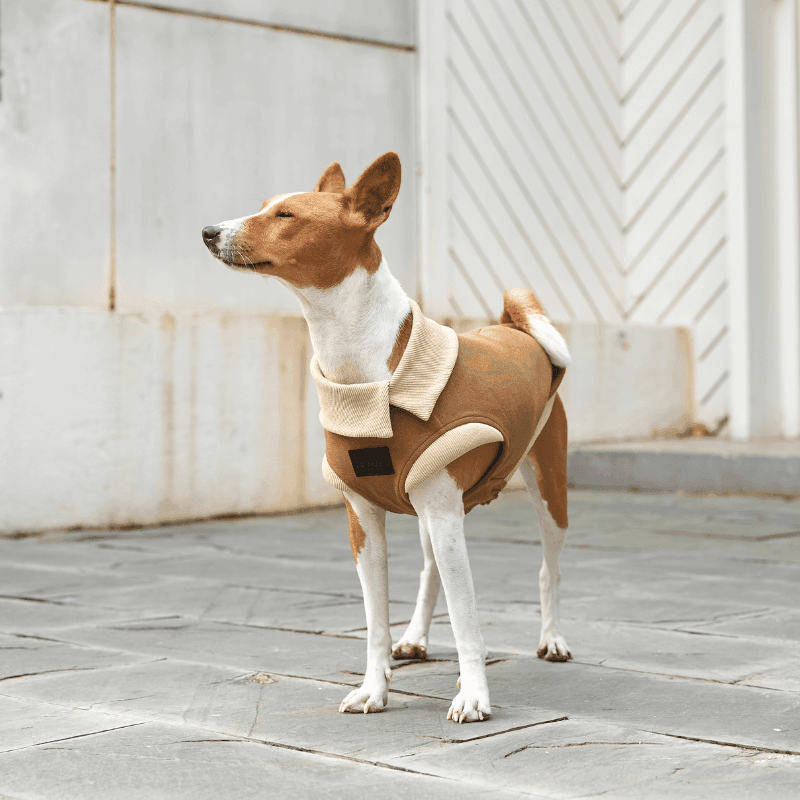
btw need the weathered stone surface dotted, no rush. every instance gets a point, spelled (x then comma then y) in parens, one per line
(241, 647)
(279, 709)
(588, 759)
(229, 646)
(645, 701)
(160, 761)
(33, 616)
(31, 655)
(24, 723)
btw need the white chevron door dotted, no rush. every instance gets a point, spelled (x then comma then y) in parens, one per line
(579, 150)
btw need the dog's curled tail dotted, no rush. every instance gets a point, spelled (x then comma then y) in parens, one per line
(524, 312)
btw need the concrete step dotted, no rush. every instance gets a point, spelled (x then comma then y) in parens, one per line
(691, 465)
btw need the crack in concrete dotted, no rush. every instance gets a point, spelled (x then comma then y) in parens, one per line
(583, 744)
(324, 754)
(670, 675)
(727, 744)
(496, 733)
(27, 599)
(78, 736)
(49, 672)
(414, 661)
(289, 630)
(201, 741)
(731, 536)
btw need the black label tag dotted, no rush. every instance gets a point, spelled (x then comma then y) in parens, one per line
(370, 461)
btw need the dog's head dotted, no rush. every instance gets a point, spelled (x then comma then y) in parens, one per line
(313, 238)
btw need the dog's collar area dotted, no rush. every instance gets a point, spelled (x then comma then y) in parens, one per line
(362, 409)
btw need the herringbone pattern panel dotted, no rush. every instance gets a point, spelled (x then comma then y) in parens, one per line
(586, 160)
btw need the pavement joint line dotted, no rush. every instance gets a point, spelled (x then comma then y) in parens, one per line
(24, 598)
(77, 736)
(48, 672)
(277, 628)
(512, 656)
(681, 630)
(672, 677)
(392, 624)
(42, 639)
(324, 754)
(356, 684)
(497, 733)
(727, 744)
(410, 662)
(730, 536)
(582, 744)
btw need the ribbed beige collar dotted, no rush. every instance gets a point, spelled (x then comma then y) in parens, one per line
(362, 409)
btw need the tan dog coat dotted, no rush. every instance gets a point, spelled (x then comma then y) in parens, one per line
(450, 395)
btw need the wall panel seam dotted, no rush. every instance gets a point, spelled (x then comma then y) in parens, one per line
(340, 37)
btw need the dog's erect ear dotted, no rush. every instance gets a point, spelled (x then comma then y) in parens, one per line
(332, 180)
(371, 197)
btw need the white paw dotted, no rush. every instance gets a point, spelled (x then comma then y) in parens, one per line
(407, 649)
(553, 647)
(372, 695)
(470, 706)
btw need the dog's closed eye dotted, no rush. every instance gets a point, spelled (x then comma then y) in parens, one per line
(284, 214)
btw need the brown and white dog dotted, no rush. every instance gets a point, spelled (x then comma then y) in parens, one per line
(391, 376)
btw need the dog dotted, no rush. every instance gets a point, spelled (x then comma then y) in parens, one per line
(417, 419)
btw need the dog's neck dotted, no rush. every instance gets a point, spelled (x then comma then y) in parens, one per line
(355, 324)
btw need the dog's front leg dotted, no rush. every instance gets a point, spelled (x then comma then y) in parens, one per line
(439, 505)
(368, 542)
(414, 642)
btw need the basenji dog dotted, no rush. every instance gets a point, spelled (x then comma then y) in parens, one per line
(417, 419)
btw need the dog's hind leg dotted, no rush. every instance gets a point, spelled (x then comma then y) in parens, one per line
(545, 474)
(414, 642)
(368, 542)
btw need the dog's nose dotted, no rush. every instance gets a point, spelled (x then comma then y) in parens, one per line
(210, 233)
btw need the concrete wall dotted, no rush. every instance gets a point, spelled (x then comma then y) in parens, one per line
(116, 419)
(217, 108)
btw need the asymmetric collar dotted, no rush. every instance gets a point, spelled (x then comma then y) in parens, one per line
(362, 409)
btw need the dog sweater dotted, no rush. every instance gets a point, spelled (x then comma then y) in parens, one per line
(448, 395)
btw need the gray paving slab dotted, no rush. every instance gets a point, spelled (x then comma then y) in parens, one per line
(682, 653)
(681, 611)
(160, 761)
(589, 759)
(34, 616)
(207, 600)
(32, 655)
(243, 647)
(24, 723)
(279, 709)
(777, 624)
(661, 703)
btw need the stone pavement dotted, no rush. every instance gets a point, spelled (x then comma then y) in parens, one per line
(209, 660)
